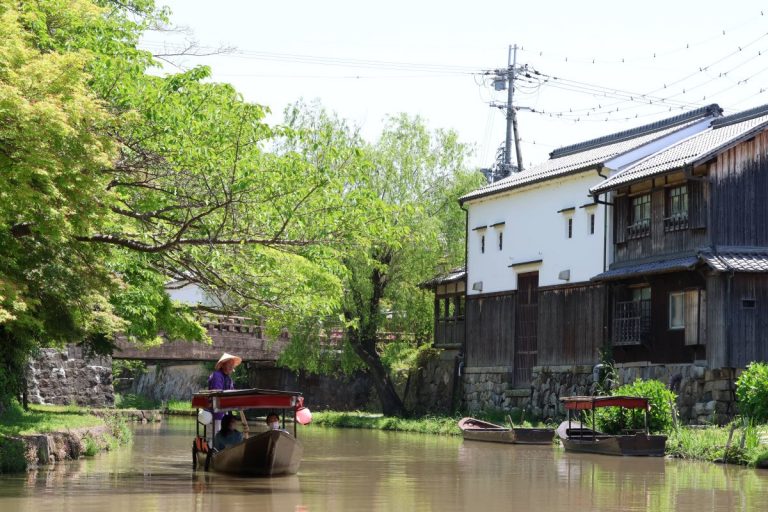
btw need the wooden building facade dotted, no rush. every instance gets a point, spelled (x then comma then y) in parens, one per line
(689, 281)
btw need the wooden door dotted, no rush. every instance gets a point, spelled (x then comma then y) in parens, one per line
(526, 326)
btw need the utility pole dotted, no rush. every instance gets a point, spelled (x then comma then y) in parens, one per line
(505, 79)
(512, 113)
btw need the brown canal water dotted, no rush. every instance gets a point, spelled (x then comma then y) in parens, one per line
(351, 470)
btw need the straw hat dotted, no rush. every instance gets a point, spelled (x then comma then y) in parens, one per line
(228, 357)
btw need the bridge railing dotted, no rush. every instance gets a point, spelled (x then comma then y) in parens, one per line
(230, 323)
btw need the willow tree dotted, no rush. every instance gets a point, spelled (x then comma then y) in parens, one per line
(408, 226)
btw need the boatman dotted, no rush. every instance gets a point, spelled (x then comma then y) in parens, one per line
(221, 379)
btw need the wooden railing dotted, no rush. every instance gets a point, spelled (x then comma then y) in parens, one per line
(631, 322)
(639, 229)
(676, 222)
(449, 332)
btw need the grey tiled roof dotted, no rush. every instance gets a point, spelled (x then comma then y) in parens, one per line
(723, 133)
(589, 154)
(737, 260)
(452, 276)
(644, 269)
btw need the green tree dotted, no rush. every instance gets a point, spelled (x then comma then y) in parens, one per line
(409, 226)
(116, 180)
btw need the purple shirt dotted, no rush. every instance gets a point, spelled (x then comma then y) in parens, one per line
(220, 380)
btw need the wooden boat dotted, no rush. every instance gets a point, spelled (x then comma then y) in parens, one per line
(577, 438)
(479, 430)
(270, 453)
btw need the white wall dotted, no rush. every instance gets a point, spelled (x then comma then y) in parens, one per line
(535, 230)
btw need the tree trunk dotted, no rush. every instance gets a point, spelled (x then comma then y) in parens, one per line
(391, 404)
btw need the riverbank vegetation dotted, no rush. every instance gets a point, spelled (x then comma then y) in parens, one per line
(92, 433)
(16, 421)
(124, 175)
(427, 425)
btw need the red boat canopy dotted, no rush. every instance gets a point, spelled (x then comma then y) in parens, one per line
(241, 399)
(581, 403)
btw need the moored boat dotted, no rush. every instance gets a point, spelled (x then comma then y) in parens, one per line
(577, 438)
(270, 453)
(478, 430)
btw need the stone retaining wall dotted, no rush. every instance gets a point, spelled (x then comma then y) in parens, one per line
(705, 396)
(491, 389)
(433, 388)
(165, 381)
(64, 377)
(42, 449)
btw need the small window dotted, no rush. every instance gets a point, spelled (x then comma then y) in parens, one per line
(748, 303)
(676, 209)
(591, 223)
(569, 227)
(640, 221)
(501, 240)
(482, 244)
(642, 293)
(677, 310)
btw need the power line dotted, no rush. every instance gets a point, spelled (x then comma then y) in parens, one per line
(651, 55)
(329, 61)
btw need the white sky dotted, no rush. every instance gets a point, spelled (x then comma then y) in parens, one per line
(424, 57)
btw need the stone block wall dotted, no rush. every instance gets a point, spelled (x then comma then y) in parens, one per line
(434, 388)
(64, 377)
(551, 383)
(705, 396)
(491, 389)
(168, 381)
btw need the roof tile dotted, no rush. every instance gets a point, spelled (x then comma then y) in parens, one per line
(723, 133)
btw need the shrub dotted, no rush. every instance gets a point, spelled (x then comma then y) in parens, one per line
(12, 457)
(752, 392)
(90, 446)
(613, 420)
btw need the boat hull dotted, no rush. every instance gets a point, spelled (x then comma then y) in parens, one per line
(633, 445)
(270, 453)
(478, 430)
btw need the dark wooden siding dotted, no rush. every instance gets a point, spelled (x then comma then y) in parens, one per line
(738, 194)
(664, 346)
(660, 241)
(490, 330)
(571, 321)
(717, 351)
(748, 326)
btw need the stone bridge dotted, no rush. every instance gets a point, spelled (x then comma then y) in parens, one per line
(236, 335)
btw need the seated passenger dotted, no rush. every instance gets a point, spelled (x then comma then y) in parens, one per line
(228, 435)
(273, 422)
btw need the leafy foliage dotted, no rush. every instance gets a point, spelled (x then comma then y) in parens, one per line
(12, 456)
(752, 392)
(613, 420)
(404, 227)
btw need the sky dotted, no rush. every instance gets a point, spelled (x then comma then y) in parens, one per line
(593, 67)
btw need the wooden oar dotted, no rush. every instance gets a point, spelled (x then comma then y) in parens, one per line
(244, 421)
(509, 420)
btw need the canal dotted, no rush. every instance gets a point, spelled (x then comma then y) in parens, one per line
(351, 470)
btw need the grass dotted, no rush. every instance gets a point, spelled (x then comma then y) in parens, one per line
(131, 401)
(425, 425)
(709, 444)
(184, 406)
(42, 419)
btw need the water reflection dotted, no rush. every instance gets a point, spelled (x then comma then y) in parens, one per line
(378, 471)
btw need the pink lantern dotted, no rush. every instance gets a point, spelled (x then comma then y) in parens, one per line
(303, 415)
